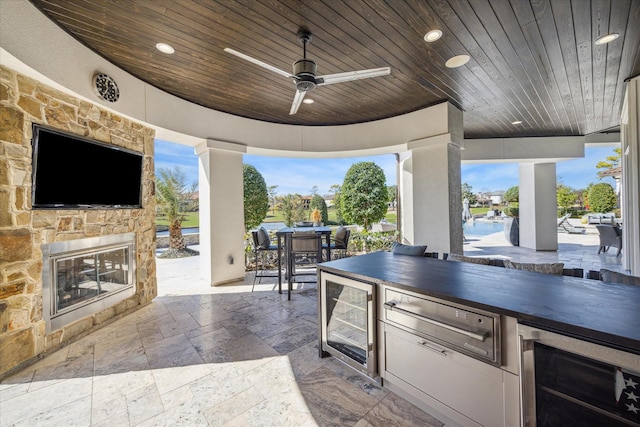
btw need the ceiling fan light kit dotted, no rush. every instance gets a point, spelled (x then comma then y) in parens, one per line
(304, 72)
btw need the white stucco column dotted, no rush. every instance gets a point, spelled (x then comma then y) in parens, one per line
(630, 194)
(221, 211)
(538, 206)
(431, 195)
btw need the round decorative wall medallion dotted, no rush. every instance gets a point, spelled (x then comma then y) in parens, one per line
(106, 87)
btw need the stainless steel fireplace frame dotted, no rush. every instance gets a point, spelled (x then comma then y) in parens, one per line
(53, 252)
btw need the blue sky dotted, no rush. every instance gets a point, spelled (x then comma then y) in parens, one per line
(293, 175)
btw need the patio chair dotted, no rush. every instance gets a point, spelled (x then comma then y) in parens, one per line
(565, 226)
(340, 242)
(610, 235)
(305, 250)
(262, 246)
(610, 276)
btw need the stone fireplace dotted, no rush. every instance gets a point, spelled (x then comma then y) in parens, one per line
(103, 260)
(85, 276)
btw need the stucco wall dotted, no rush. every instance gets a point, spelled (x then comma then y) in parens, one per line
(24, 101)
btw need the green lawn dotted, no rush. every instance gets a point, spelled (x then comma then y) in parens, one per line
(192, 220)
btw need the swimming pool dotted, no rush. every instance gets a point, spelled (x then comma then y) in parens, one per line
(481, 228)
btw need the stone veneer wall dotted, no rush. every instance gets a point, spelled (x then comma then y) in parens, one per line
(24, 101)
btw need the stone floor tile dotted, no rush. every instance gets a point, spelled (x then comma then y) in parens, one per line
(72, 414)
(395, 411)
(166, 346)
(170, 378)
(211, 340)
(113, 412)
(143, 404)
(333, 400)
(231, 408)
(45, 399)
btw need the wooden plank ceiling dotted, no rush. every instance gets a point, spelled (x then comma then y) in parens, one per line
(531, 61)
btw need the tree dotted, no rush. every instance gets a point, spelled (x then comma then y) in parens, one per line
(272, 190)
(173, 197)
(392, 192)
(581, 197)
(611, 162)
(602, 198)
(336, 189)
(467, 192)
(512, 195)
(314, 190)
(565, 197)
(256, 198)
(317, 202)
(292, 208)
(363, 199)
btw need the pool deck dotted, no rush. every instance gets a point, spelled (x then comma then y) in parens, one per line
(574, 250)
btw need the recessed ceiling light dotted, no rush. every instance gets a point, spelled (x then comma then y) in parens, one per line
(517, 122)
(457, 61)
(432, 35)
(607, 39)
(165, 48)
(308, 101)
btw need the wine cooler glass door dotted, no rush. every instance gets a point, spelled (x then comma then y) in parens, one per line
(348, 324)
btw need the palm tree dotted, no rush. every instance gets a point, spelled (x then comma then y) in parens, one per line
(173, 198)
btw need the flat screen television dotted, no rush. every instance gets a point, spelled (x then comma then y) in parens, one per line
(72, 172)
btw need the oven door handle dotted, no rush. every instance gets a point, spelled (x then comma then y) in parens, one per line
(476, 336)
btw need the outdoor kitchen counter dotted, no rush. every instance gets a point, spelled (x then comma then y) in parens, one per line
(603, 313)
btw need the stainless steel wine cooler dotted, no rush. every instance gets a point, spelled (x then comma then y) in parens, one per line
(347, 313)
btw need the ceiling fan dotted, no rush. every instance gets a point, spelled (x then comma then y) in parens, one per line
(304, 72)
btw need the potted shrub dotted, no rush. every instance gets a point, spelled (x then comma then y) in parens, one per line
(316, 217)
(512, 224)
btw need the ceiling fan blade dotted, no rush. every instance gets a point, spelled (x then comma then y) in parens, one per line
(297, 100)
(258, 62)
(330, 79)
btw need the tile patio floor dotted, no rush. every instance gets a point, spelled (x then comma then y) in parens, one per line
(224, 356)
(574, 250)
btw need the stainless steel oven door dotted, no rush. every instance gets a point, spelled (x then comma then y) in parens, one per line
(565, 380)
(347, 313)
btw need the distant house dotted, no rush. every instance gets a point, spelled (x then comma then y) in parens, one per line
(328, 198)
(306, 201)
(489, 199)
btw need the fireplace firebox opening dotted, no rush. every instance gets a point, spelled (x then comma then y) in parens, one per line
(82, 277)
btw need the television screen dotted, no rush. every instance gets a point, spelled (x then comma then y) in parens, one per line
(72, 172)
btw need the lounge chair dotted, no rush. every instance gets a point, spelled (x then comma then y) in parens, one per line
(565, 226)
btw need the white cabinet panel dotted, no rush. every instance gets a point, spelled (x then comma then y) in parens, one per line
(475, 389)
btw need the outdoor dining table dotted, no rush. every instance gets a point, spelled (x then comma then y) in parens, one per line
(284, 242)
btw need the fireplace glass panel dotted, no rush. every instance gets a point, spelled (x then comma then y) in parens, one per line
(87, 276)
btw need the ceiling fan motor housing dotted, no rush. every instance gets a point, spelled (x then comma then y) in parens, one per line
(305, 72)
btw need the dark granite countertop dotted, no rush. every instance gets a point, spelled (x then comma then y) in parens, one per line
(599, 312)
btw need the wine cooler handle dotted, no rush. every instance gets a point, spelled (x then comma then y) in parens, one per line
(527, 382)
